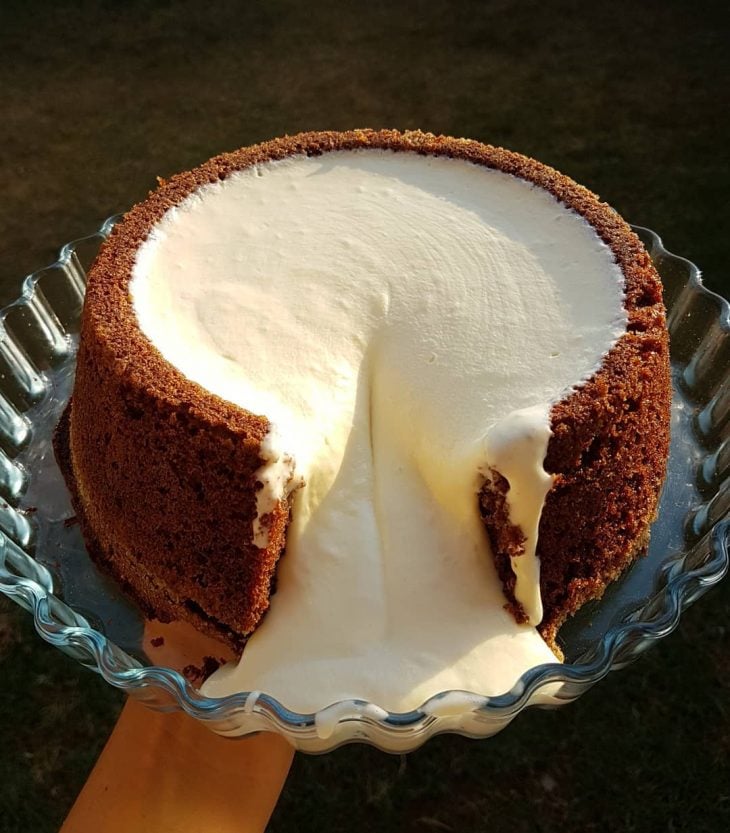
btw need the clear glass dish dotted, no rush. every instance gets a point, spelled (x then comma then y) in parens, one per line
(44, 566)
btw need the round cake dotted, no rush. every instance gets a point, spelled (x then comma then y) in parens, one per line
(432, 373)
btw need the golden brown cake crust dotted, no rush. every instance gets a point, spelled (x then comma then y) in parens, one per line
(163, 472)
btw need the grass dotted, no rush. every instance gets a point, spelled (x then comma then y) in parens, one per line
(99, 98)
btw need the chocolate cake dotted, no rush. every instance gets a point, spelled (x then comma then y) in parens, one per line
(166, 476)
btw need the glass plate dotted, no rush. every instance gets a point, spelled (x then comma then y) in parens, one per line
(44, 566)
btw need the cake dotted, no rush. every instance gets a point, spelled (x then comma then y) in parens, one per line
(433, 371)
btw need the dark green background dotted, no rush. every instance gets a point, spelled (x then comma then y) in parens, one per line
(629, 98)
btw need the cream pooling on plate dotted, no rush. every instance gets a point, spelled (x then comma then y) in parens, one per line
(405, 322)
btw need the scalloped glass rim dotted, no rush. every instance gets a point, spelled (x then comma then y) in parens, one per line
(37, 336)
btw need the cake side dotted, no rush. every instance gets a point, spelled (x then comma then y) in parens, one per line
(609, 456)
(607, 453)
(173, 451)
(165, 497)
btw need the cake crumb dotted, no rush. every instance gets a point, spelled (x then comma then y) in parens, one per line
(196, 674)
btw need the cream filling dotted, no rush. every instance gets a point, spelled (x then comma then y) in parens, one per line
(516, 447)
(406, 323)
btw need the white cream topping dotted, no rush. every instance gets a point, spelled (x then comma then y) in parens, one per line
(405, 322)
(515, 447)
